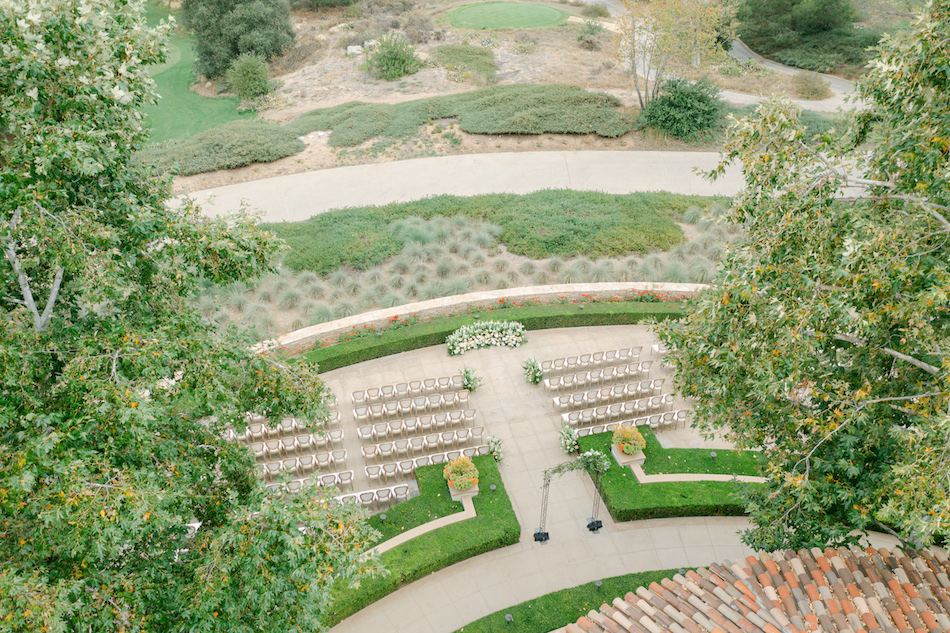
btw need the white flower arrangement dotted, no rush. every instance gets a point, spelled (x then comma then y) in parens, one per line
(532, 371)
(495, 447)
(486, 334)
(568, 437)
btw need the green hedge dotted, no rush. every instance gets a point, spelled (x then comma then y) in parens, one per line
(629, 500)
(558, 608)
(495, 526)
(434, 332)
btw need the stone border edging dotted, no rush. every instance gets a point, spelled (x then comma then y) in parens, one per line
(468, 512)
(298, 340)
(644, 478)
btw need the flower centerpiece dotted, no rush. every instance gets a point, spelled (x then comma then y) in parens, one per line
(532, 371)
(485, 334)
(461, 474)
(629, 440)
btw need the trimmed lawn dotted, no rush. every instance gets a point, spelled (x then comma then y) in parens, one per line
(506, 15)
(558, 608)
(662, 461)
(629, 500)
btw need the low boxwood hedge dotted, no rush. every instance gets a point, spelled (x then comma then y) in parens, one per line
(537, 317)
(495, 526)
(629, 500)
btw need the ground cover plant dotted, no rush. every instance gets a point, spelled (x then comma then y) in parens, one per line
(182, 113)
(558, 608)
(442, 257)
(505, 15)
(629, 500)
(495, 526)
(477, 60)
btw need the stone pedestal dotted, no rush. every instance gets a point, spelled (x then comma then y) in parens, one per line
(458, 494)
(627, 461)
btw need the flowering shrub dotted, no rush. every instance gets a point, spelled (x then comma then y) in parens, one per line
(461, 473)
(486, 334)
(629, 440)
(567, 436)
(494, 445)
(532, 371)
(470, 380)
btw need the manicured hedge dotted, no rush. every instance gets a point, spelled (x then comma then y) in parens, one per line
(629, 500)
(495, 526)
(434, 332)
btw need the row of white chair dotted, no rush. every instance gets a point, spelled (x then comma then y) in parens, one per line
(378, 498)
(297, 444)
(337, 480)
(584, 362)
(411, 406)
(260, 431)
(433, 442)
(618, 410)
(410, 426)
(405, 468)
(656, 422)
(594, 377)
(306, 463)
(608, 395)
(402, 390)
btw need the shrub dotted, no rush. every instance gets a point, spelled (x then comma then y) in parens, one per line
(532, 371)
(685, 110)
(324, 4)
(596, 11)
(234, 144)
(392, 57)
(225, 29)
(810, 85)
(461, 474)
(248, 77)
(628, 440)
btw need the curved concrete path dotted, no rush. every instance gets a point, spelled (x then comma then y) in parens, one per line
(299, 196)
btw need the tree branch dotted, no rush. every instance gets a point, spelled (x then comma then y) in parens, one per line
(40, 321)
(854, 340)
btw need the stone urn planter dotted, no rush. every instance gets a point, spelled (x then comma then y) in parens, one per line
(624, 460)
(457, 495)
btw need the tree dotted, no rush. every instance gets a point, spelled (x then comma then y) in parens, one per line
(824, 339)
(114, 393)
(674, 33)
(225, 29)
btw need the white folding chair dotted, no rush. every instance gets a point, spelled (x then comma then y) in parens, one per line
(344, 478)
(416, 388)
(468, 416)
(390, 470)
(381, 430)
(370, 452)
(484, 450)
(406, 467)
(432, 442)
(401, 448)
(328, 480)
(376, 411)
(462, 436)
(419, 462)
(361, 414)
(384, 497)
(440, 421)
(385, 450)
(259, 450)
(437, 458)
(373, 473)
(368, 498)
(359, 398)
(447, 439)
(365, 433)
(306, 464)
(417, 444)
(395, 428)
(323, 460)
(401, 492)
(477, 433)
(372, 395)
(402, 390)
(336, 436)
(387, 392)
(470, 452)
(452, 455)
(457, 381)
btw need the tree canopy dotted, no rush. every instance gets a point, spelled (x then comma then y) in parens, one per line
(226, 29)
(824, 340)
(114, 393)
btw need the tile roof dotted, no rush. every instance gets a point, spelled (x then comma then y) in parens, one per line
(835, 590)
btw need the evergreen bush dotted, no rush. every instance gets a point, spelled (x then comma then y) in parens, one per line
(392, 58)
(248, 77)
(685, 110)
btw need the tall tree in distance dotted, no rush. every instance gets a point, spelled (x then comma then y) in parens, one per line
(657, 37)
(114, 393)
(226, 29)
(824, 340)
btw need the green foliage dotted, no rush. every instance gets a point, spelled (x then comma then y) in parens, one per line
(248, 76)
(324, 4)
(596, 11)
(495, 526)
(515, 109)
(505, 15)
(234, 144)
(392, 57)
(684, 109)
(550, 611)
(225, 29)
(815, 35)
(115, 391)
(475, 59)
(809, 85)
(591, 28)
(628, 500)
(533, 317)
(537, 225)
(822, 337)
(661, 461)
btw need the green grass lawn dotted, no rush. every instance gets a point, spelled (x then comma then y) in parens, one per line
(181, 113)
(629, 500)
(661, 461)
(537, 225)
(559, 608)
(505, 15)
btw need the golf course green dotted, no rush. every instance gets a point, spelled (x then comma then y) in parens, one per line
(506, 15)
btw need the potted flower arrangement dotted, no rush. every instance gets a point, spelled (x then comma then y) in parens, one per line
(462, 477)
(627, 446)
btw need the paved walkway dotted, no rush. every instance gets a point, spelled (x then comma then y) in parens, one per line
(299, 196)
(524, 417)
